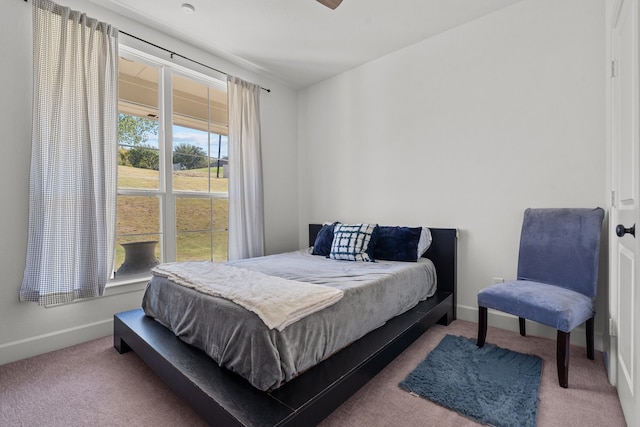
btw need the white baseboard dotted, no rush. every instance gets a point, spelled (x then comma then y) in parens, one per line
(121, 296)
(33, 346)
(508, 322)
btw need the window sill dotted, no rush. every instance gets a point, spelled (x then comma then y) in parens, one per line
(125, 285)
(113, 288)
(129, 280)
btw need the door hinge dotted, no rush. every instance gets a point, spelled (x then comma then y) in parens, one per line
(613, 198)
(613, 331)
(613, 68)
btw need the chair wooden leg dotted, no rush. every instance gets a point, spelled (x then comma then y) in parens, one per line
(590, 333)
(482, 326)
(562, 358)
(523, 329)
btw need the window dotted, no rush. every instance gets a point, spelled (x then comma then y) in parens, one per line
(173, 165)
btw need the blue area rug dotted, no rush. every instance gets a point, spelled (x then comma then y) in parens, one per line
(490, 385)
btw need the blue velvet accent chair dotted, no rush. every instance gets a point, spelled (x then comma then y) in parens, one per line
(557, 278)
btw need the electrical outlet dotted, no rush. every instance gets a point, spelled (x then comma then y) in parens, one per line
(497, 280)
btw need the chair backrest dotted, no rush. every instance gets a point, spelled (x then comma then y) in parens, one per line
(561, 247)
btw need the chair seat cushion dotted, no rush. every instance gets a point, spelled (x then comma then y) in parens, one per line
(550, 305)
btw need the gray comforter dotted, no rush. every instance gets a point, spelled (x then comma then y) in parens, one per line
(238, 340)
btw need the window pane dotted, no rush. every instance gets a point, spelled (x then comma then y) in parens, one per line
(138, 220)
(201, 229)
(219, 147)
(220, 229)
(138, 215)
(194, 246)
(138, 88)
(139, 176)
(199, 106)
(190, 160)
(193, 214)
(138, 155)
(199, 136)
(220, 245)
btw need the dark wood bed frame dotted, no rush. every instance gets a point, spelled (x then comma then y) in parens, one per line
(224, 398)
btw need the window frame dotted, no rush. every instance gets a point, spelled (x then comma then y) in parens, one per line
(165, 193)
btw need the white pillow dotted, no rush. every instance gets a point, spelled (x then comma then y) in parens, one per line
(424, 242)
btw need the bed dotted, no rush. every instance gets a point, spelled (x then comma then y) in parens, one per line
(304, 391)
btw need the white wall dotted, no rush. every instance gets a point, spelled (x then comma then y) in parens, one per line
(466, 130)
(27, 329)
(463, 130)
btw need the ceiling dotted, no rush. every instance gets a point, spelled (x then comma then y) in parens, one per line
(301, 42)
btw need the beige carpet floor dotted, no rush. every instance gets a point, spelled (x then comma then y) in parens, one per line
(92, 385)
(589, 401)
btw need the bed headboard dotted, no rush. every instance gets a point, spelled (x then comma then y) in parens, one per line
(442, 252)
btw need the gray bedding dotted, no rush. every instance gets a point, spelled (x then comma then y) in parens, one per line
(238, 340)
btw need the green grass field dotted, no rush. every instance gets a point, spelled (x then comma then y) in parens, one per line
(201, 223)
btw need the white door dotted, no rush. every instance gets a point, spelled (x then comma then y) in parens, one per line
(624, 293)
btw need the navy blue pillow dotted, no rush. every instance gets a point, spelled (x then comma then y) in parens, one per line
(397, 243)
(324, 239)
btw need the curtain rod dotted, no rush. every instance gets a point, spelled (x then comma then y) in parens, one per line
(172, 53)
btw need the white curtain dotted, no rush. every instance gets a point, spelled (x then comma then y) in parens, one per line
(72, 202)
(246, 202)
